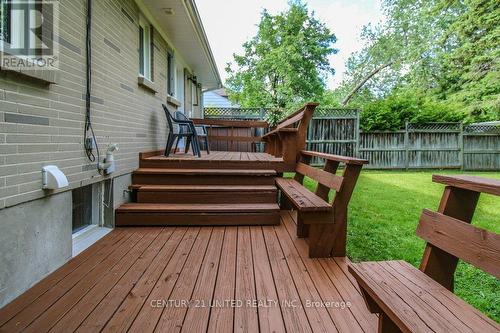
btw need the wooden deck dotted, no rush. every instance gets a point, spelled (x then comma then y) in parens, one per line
(191, 279)
(214, 160)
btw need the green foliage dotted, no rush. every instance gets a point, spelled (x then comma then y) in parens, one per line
(392, 112)
(285, 64)
(445, 53)
(274, 116)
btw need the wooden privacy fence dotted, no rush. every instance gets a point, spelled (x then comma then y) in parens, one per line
(334, 131)
(418, 146)
(433, 146)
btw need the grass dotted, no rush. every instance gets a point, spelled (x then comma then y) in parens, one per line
(383, 216)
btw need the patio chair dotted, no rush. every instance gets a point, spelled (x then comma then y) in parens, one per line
(200, 131)
(180, 129)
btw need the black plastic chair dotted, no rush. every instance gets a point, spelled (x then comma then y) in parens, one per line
(180, 129)
(201, 131)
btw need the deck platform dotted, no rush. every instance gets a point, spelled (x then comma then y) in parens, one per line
(195, 279)
(214, 160)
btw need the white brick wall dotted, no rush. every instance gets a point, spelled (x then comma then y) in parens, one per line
(43, 124)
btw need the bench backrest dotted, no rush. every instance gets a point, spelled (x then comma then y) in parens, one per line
(449, 230)
(327, 178)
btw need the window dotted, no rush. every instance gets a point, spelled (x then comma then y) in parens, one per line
(170, 74)
(145, 52)
(82, 207)
(6, 22)
(22, 28)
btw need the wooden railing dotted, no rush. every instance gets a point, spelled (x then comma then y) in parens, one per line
(233, 135)
(289, 136)
(285, 140)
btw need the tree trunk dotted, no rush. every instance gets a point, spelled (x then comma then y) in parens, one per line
(365, 79)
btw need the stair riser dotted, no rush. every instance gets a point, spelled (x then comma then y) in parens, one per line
(197, 164)
(162, 179)
(203, 219)
(207, 197)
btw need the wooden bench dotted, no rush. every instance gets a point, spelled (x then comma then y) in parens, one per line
(412, 300)
(322, 221)
(288, 138)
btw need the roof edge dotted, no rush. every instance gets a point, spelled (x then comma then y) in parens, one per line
(194, 15)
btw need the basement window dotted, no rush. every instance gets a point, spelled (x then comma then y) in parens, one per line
(82, 208)
(92, 214)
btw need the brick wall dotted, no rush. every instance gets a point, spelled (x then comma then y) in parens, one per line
(43, 124)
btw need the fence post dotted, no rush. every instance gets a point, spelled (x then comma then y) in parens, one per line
(406, 144)
(461, 146)
(356, 134)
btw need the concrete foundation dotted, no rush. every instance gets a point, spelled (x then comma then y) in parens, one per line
(35, 239)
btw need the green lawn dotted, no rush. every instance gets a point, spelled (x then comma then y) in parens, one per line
(383, 215)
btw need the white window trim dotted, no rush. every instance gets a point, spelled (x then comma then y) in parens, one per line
(146, 48)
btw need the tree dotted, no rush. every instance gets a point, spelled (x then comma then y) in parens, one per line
(285, 64)
(471, 68)
(438, 58)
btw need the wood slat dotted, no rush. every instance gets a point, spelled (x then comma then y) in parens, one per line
(115, 292)
(293, 312)
(472, 183)
(270, 318)
(133, 264)
(245, 317)
(86, 260)
(148, 317)
(222, 317)
(22, 319)
(323, 177)
(229, 172)
(281, 130)
(338, 158)
(236, 138)
(413, 301)
(389, 300)
(332, 284)
(131, 291)
(474, 245)
(319, 317)
(301, 197)
(196, 319)
(230, 123)
(154, 285)
(196, 208)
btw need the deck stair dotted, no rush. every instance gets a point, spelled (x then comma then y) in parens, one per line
(195, 196)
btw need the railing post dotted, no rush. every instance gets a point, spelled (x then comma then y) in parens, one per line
(436, 263)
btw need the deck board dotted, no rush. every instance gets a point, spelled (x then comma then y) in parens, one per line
(113, 285)
(215, 160)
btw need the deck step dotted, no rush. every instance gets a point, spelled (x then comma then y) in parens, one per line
(207, 194)
(161, 176)
(143, 214)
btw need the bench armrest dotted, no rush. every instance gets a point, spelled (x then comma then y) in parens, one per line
(471, 183)
(281, 130)
(337, 158)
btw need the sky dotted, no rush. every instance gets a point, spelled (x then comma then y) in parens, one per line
(229, 23)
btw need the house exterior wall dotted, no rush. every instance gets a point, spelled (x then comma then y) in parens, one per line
(43, 124)
(212, 99)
